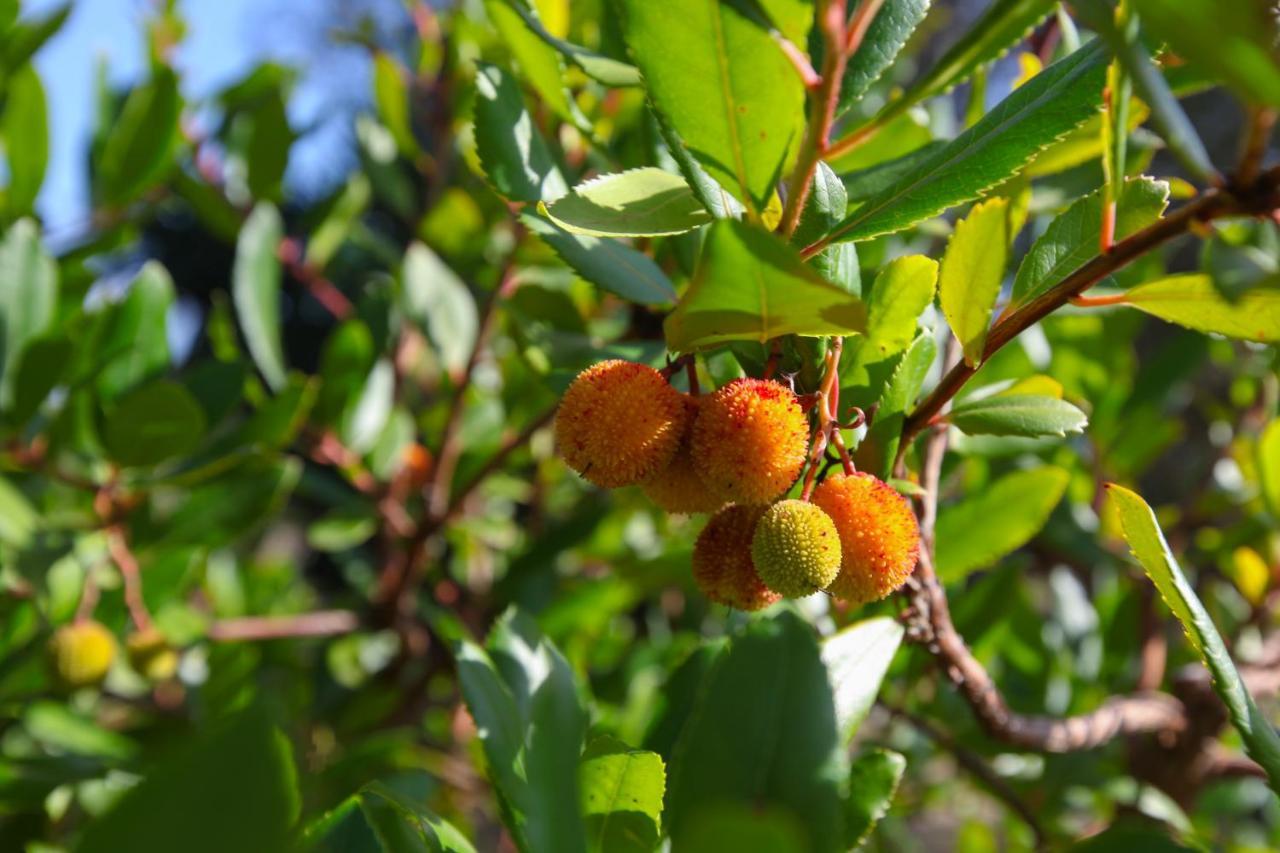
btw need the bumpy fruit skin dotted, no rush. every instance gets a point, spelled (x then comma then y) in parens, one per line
(879, 535)
(796, 549)
(750, 439)
(677, 487)
(82, 653)
(619, 423)
(722, 566)
(151, 656)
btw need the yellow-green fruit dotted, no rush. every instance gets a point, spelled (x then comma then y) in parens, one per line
(796, 549)
(879, 535)
(750, 440)
(151, 656)
(722, 566)
(82, 653)
(678, 488)
(619, 423)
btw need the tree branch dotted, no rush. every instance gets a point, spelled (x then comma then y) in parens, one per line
(320, 623)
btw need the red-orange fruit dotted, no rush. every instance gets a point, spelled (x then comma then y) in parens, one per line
(750, 440)
(619, 423)
(722, 566)
(879, 536)
(678, 488)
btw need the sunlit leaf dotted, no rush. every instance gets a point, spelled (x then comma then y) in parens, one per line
(1193, 301)
(1028, 415)
(645, 202)
(972, 270)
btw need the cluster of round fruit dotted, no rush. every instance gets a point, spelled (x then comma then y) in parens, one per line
(734, 452)
(81, 654)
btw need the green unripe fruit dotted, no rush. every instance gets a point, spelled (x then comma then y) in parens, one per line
(81, 653)
(151, 656)
(796, 549)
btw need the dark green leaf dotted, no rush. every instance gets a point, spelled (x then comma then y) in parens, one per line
(763, 737)
(726, 88)
(873, 780)
(28, 296)
(255, 286)
(139, 148)
(645, 202)
(889, 31)
(135, 340)
(267, 149)
(24, 38)
(1042, 110)
(24, 128)
(1148, 544)
(880, 446)
(41, 365)
(873, 180)
(826, 204)
(155, 422)
(608, 264)
(512, 151)
(752, 287)
(1027, 415)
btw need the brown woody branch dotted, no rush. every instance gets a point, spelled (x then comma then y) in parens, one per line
(319, 623)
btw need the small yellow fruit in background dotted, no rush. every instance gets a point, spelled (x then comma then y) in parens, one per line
(82, 653)
(678, 488)
(750, 440)
(619, 423)
(796, 549)
(722, 566)
(879, 535)
(151, 656)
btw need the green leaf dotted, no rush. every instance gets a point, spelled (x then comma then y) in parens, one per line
(902, 290)
(391, 95)
(1191, 300)
(862, 184)
(401, 824)
(40, 367)
(24, 128)
(873, 780)
(763, 737)
(726, 88)
(192, 794)
(1036, 114)
(539, 63)
(1269, 467)
(825, 206)
(972, 270)
(601, 68)
(857, 659)
(1235, 41)
(18, 518)
(28, 297)
(339, 220)
(1148, 544)
(25, 37)
(58, 726)
(714, 197)
(369, 415)
(750, 286)
(255, 289)
(622, 792)
(645, 202)
(608, 264)
(512, 151)
(139, 147)
(155, 422)
(880, 446)
(888, 32)
(267, 148)
(135, 341)
(1027, 415)
(997, 520)
(1071, 240)
(440, 304)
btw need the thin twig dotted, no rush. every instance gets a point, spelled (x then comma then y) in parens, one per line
(1262, 120)
(320, 623)
(321, 289)
(127, 563)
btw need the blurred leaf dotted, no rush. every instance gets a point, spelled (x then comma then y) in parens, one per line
(340, 217)
(155, 422)
(888, 32)
(18, 518)
(1072, 239)
(439, 304)
(57, 726)
(972, 271)
(512, 151)
(267, 150)
(539, 63)
(750, 286)
(1028, 415)
(880, 446)
(999, 519)
(857, 659)
(380, 819)
(601, 68)
(41, 365)
(608, 264)
(762, 737)
(28, 35)
(1235, 41)
(679, 695)
(191, 794)
(367, 417)
(1054, 101)
(759, 829)
(391, 94)
(139, 147)
(135, 343)
(24, 128)
(644, 202)
(1129, 835)
(622, 791)
(1251, 574)
(1191, 300)
(1148, 544)
(725, 86)
(255, 287)
(28, 297)
(1269, 467)
(873, 780)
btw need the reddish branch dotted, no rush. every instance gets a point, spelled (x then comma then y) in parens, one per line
(127, 563)
(320, 623)
(321, 289)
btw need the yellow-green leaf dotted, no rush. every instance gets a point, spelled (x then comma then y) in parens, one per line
(1269, 467)
(972, 270)
(1191, 300)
